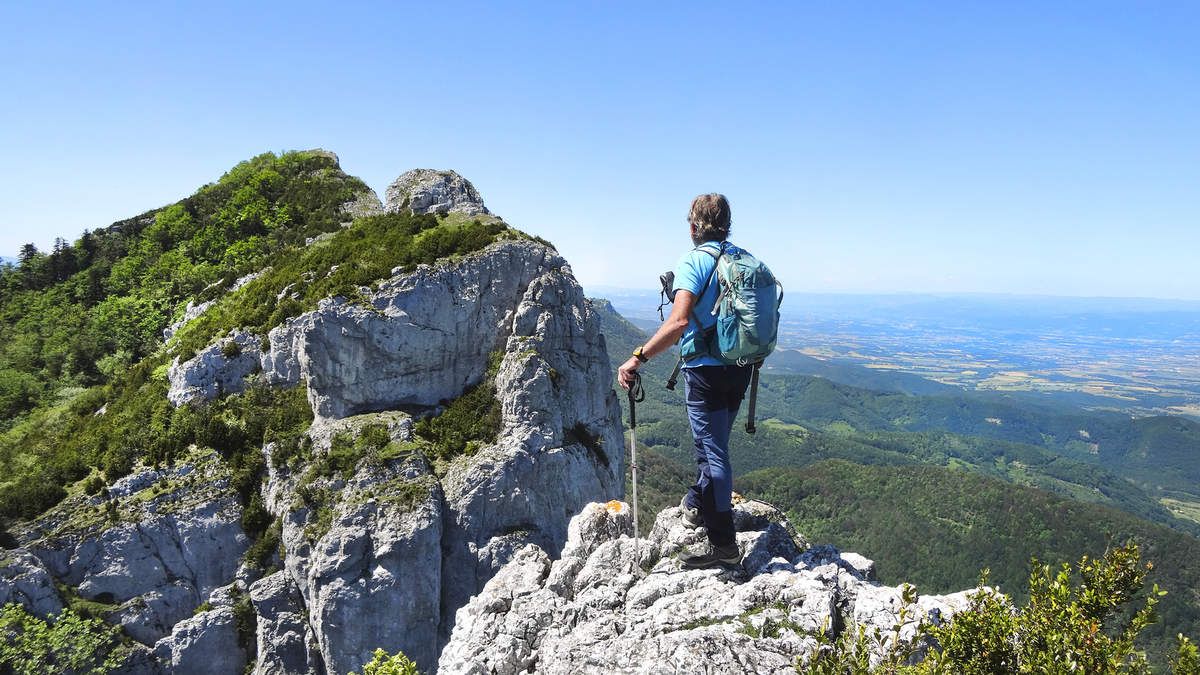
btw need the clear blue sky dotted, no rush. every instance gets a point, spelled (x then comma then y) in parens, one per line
(998, 147)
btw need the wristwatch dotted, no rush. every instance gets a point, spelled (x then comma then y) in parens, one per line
(639, 355)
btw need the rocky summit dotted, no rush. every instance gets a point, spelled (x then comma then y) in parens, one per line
(614, 604)
(430, 191)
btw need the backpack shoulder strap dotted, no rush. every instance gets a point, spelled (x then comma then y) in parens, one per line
(716, 259)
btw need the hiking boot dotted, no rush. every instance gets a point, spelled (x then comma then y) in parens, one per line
(727, 556)
(691, 517)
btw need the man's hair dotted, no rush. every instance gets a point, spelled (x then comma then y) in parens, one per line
(709, 218)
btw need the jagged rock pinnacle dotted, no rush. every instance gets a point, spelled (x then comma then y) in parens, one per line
(431, 191)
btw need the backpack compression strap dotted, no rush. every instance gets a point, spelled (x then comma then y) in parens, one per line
(750, 428)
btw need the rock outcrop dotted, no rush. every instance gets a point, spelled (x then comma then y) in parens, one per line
(382, 553)
(153, 549)
(221, 368)
(430, 191)
(614, 604)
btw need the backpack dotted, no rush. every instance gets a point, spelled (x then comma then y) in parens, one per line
(747, 310)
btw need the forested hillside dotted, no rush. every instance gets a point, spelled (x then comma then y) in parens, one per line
(937, 528)
(804, 419)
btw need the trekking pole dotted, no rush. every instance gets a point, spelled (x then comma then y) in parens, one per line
(636, 395)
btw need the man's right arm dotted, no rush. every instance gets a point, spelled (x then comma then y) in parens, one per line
(666, 335)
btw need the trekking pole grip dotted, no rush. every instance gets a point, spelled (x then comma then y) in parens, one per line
(636, 395)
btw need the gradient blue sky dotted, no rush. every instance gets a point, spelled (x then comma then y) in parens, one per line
(997, 147)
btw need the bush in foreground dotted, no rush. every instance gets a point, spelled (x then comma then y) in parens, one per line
(1081, 620)
(382, 664)
(67, 643)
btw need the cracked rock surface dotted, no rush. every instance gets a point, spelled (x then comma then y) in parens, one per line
(431, 191)
(614, 604)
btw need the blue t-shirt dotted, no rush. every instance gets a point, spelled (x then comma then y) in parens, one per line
(691, 273)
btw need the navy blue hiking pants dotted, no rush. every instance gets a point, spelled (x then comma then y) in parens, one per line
(714, 394)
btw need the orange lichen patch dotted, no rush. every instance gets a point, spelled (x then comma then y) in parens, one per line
(615, 506)
(737, 498)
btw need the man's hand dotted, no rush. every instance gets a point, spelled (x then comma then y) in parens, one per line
(668, 334)
(626, 371)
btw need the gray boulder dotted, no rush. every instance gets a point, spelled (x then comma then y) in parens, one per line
(430, 191)
(220, 368)
(24, 580)
(205, 644)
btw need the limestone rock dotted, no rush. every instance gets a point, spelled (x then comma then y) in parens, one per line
(615, 604)
(284, 635)
(156, 549)
(425, 337)
(220, 368)
(363, 569)
(203, 644)
(399, 571)
(24, 580)
(430, 191)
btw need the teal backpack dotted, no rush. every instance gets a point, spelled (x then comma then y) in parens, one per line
(747, 310)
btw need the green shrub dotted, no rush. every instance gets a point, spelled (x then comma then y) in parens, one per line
(246, 622)
(261, 552)
(1081, 620)
(67, 643)
(95, 484)
(468, 422)
(1187, 658)
(382, 664)
(231, 349)
(346, 450)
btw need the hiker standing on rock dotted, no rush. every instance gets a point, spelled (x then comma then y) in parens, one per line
(714, 388)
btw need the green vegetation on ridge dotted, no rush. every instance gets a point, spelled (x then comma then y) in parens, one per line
(66, 418)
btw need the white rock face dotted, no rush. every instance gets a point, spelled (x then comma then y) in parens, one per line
(174, 537)
(430, 191)
(203, 644)
(25, 581)
(220, 368)
(425, 337)
(284, 635)
(596, 609)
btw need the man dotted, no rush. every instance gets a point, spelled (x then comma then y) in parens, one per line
(714, 390)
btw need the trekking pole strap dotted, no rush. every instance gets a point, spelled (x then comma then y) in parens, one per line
(750, 428)
(636, 395)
